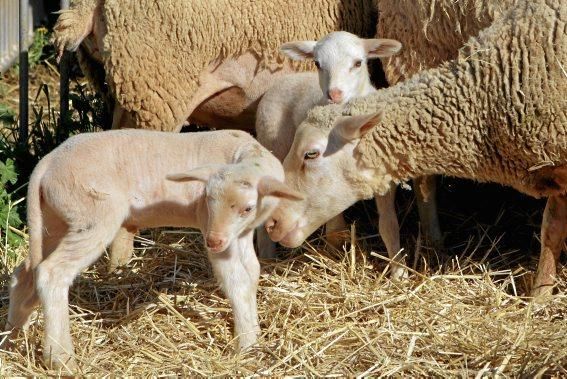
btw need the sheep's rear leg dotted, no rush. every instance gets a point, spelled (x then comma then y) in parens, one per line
(553, 235)
(238, 272)
(77, 250)
(121, 249)
(426, 198)
(389, 229)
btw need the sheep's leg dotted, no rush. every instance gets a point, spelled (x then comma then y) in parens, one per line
(23, 297)
(238, 272)
(390, 232)
(266, 247)
(553, 234)
(425, 190)
(121, 249)
(333, 229)
(77, 250)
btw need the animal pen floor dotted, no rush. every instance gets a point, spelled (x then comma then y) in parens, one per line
(326, 312)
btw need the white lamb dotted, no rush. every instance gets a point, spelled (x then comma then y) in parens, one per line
(93, 185)
(341, 61)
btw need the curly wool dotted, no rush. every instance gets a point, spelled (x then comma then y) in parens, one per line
(155, 51)
(497, 113)
(431, 31)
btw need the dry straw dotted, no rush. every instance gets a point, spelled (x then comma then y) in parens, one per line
(323, 312)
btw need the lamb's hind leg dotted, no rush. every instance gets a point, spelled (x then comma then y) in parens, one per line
(23, 294)
(553, 234)
(77, 250)
(389, 229)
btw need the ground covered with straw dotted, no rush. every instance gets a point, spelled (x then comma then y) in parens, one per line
(323, 312)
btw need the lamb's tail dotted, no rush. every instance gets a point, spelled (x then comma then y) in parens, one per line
(74, 25)
(35, 217)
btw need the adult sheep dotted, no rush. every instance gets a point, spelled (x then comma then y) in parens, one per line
(497, 113)
(207, 61)
(432, 32)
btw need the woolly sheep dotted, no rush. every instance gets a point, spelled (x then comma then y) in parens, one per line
(432, 32)
(214, 181)
(497, 113)
(341, 59)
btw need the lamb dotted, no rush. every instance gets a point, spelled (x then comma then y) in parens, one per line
(496, 113)
(341, 59)
(212, 62)
(432, 32)
(214, 181)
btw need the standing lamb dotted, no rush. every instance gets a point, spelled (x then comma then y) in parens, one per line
(432, 32)
(341, 60)
(214, 181)
(497, 113)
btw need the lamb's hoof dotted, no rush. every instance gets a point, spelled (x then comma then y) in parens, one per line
(399, 274)
(542, 294)
(247, 340)
(60, 361)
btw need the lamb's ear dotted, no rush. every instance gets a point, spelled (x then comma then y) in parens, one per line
(353, 127)
(299, 50)
(270, 186)
(201, 174)
(380, 47)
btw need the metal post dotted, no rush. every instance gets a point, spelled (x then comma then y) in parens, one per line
(23, 47)
(64, 80)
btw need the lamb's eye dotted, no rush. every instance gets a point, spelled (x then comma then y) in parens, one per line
(318, 65)
(311, 154)
(357, 64)
(246, 211)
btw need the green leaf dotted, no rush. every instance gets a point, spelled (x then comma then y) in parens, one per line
(8, 172)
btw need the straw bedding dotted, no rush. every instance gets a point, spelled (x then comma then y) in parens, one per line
(323, 312)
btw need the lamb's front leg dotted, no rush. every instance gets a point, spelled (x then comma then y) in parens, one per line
(553, 234)
(238, 272)
(389, 229)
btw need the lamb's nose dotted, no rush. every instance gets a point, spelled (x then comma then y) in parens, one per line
(215, 242)
(335, 95)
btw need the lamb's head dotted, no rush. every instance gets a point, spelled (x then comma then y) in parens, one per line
(323, 165)
(341, 59)
(239, 198)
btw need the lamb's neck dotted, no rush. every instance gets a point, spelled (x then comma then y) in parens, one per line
(366, 88)
(427, 128)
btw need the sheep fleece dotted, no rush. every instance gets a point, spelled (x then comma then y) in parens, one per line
(499, 110)
(154, 51)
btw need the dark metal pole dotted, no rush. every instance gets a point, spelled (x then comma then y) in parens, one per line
(23, 47)
(64, 80)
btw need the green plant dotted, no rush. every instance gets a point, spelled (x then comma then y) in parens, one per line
(9, 216)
